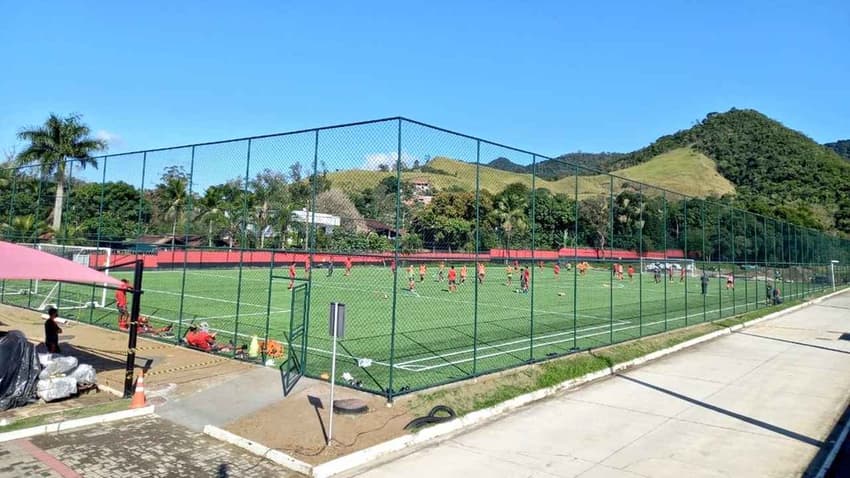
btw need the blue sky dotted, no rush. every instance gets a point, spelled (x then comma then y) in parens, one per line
(551, 77)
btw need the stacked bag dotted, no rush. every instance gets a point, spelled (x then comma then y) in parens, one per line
(62, 376)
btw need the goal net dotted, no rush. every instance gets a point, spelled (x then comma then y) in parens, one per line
(66, 295)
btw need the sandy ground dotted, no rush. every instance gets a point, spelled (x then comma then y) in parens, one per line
(180, 370)
(298, 427)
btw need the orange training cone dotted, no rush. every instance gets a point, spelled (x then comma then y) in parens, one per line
(139, 396)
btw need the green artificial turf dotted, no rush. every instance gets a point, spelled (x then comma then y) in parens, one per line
(437, 336)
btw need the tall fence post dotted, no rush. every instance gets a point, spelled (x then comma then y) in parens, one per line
(533, 257)
(390, 391)
(611, 259)
(242, 241)
(477, 257)
(575, 264)
(186, 253)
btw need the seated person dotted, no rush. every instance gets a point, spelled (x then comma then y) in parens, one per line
(777, 296)
(201, 338)
(145, 327)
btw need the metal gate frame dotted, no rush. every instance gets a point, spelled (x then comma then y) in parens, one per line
(295, 365)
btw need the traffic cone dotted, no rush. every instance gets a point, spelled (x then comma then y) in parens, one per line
(139, 396)
(254, 348)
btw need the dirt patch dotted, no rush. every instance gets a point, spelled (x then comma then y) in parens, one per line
(298, 424)
(35, 409)
(191, 371)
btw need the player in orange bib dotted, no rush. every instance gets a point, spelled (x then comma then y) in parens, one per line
(291, 275)
(481, 272)
(347, 266)
(422, 270)
(463, 274)
(557, 270)
(452, 280)
(631, 271)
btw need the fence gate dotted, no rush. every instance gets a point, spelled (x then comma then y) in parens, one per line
(295, 365)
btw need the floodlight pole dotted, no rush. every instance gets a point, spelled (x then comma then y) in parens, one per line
(832, 272)
(134, 328)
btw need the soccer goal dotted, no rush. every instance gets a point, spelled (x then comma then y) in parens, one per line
(73, 295)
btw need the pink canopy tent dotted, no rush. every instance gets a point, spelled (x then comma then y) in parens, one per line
(19, 262)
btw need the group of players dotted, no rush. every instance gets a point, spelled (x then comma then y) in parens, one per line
(458, 276)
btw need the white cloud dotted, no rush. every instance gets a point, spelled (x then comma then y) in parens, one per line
(112, 139)
(374, 161)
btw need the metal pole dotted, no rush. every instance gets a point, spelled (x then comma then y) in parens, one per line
(333, 377)
(477, 259)
(134, 328)
(390, 390)
(832, 272)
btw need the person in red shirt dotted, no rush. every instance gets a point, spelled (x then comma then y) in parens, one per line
(557, 270)
(291, 275)
(347, 266)
(682, 274)
(200, 338)
(524, 277)
(422, 270)
(121, 304)
(452, 280)
(463, 274)
(145, 327)
(307, 267)
(392, 266)
(631, 271)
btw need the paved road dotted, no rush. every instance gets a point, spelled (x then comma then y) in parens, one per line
(756, 403)
(143, 447)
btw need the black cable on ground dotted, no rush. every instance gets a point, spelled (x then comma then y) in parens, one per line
(432, 418)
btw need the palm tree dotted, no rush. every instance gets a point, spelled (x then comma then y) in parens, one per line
(509, 212)
(52, 146)
(174, 195)
(22, 228)
(212, 208)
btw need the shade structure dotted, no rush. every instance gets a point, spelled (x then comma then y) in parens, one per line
(23, 263)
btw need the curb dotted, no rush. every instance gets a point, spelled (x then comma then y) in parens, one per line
(75, 423)
(261, 450)
(435, 434)
(443, 431)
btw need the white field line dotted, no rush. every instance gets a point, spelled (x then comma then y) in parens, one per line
(517, 341)
(471, 302)
(226, 301)
(554, 342)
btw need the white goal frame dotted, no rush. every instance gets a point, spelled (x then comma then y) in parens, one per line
(79, 254)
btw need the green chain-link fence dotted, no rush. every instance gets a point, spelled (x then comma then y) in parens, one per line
(455, 256)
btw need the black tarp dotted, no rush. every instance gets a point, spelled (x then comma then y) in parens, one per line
(19, 370)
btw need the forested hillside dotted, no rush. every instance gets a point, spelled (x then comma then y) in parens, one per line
(841, 147)
(776, 170)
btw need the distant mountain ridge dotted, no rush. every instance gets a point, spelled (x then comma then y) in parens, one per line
(555, 169)
(842, 147)
(776, 171)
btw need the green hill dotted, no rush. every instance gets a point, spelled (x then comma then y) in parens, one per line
(684, 170)
(842, 147)
(770, 169)
(776, 170)
(562, 166)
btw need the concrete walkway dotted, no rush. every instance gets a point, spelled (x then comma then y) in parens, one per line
(757, 403)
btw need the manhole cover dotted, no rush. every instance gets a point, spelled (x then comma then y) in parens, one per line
(350, 406)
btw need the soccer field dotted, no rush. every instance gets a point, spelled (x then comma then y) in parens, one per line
(439, 336)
